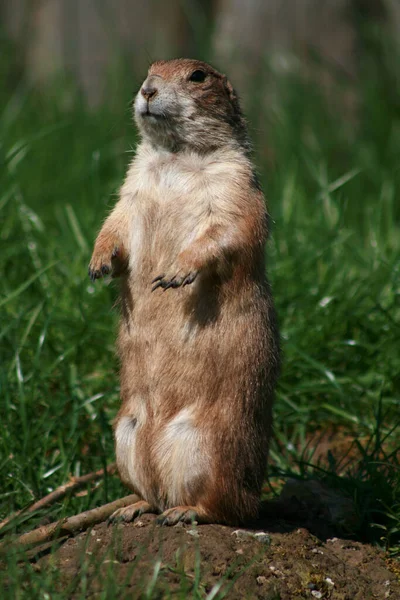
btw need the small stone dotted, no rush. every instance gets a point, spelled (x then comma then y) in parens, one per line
(329, 581)
(261, 580)
(332, 540)
(139, 523)
(260, 536)
(242, 534)
(263, 537)
(316, 594)
(316, 551)
(193, 532)
(276, 571)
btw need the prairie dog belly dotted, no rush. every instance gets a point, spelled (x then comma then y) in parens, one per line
(183, 382)
(183, 343)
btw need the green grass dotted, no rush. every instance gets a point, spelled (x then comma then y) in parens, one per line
(333, 185)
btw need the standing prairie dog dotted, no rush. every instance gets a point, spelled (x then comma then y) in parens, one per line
(198, 340)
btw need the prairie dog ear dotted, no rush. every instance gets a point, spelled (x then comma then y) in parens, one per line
(229, 88)
(233, 97)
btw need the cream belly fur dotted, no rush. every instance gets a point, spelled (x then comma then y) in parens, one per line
(177, 443)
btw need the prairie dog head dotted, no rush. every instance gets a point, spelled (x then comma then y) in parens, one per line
(187, 104)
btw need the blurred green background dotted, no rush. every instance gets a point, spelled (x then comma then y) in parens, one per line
(321, 89)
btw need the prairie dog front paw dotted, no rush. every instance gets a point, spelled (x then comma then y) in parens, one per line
(106, 259)
(183, 272)
(179, 280)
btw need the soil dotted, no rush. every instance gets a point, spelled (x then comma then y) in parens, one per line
(289, 559)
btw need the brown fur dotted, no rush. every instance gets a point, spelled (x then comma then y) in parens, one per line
(199, 361)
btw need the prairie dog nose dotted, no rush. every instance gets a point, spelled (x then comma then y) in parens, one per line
(149, 88)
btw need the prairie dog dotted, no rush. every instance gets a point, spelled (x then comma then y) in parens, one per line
(198, 340)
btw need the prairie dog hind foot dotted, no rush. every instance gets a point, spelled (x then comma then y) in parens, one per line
(129, 513)
(171, 516)
(185, 514)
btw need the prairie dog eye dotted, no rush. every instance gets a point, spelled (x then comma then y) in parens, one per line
(198, 76)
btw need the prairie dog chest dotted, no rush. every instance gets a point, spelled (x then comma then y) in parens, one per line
(187, 182)
(175, 197)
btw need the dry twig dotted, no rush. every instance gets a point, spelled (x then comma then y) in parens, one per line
(68, 488)
(71, 525)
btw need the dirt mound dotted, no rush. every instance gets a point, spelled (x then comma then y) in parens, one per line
(274, 562)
